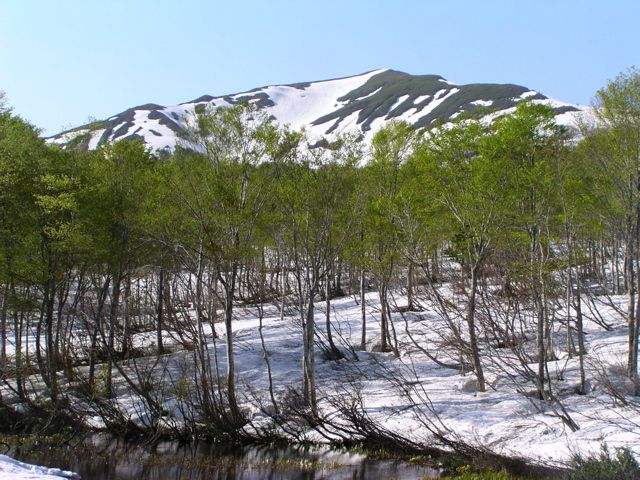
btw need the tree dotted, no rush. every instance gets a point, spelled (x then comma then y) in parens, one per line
(119, 173)
(529, 145)
(470, 186)
(617, 106)
(231, 195)
(20, 168)
(391, 146)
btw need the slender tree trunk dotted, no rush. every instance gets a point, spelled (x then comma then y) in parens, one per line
(97, 327)
(159, 311)
(384, 328)
(337, 287)
(363, 311)
(51, 354)
(540, 344)
(410, 280)
(18, 324)
(309, 361)
(473, 341)
(635, 334)
(3, 332)
(283, 289)
(568, 302)
(581, 348)
(229, 288)
(616, 268)
(126, 318)
(537, 284)
(113, 318)
(631, 311)
(334, 350)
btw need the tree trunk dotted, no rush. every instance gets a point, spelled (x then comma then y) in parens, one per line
(410, 306)
(229, 288)
(581, 349)
(473, 341)
(540, 343)
(159, 311)
(126, 318)
(3, 332)
(18, 324)
(309, 357)
(384, 328)
(113, 318)
(97, 327)
(631, 312)
(332, 346)
(363, 311)
(568, 301)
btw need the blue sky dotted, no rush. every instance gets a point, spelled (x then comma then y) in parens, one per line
(64, 61)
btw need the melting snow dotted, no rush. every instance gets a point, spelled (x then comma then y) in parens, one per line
(11, 469)
(299, 108)
(398, 102)
(95, 138)
(528, 94)
(482, 103)
(370, 94)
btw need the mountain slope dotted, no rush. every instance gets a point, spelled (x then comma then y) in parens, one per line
(362, 103)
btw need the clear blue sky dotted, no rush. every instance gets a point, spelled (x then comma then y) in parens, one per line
(63, 61)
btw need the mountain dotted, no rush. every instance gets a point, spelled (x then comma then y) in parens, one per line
(362, 103)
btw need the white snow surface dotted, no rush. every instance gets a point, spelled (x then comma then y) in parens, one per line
(528, 94)
(11, 469)
(482, 103)
(401, 99)
(296, 107)
(507, 418)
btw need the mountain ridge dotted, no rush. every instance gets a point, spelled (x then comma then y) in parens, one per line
(363, 103)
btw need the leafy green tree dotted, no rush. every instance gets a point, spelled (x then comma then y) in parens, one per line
(391, 147)
(118, 179)
(617, 107)
(232, 194)
(530, 144)
(316, 225)
(470, 186)
(20, 153)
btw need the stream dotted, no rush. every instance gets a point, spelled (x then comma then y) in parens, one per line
(101, 457)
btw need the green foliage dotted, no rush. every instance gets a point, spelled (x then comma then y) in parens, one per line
(466, 474)
(620, 466)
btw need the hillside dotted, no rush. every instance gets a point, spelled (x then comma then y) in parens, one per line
(361, 103)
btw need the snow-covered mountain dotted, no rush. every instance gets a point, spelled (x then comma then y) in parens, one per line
(362, 103)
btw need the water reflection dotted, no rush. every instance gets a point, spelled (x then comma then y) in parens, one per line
(103, 458)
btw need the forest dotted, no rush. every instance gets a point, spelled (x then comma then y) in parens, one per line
(484, 249)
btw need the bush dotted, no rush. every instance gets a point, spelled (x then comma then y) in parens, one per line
(465, 473)
(622, 466)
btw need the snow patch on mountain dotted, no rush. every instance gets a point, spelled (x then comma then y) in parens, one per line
(482, 103)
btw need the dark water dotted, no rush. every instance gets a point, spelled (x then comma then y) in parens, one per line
(103, 458)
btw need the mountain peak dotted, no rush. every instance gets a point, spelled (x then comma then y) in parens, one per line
(362, 103)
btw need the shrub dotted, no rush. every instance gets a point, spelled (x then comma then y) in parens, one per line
(466, 473)
(621, 466)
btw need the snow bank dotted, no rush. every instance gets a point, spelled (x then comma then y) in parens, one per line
(11, 469)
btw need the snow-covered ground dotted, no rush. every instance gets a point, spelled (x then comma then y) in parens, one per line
(405, 394)
(11, 469)
(507, 418)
